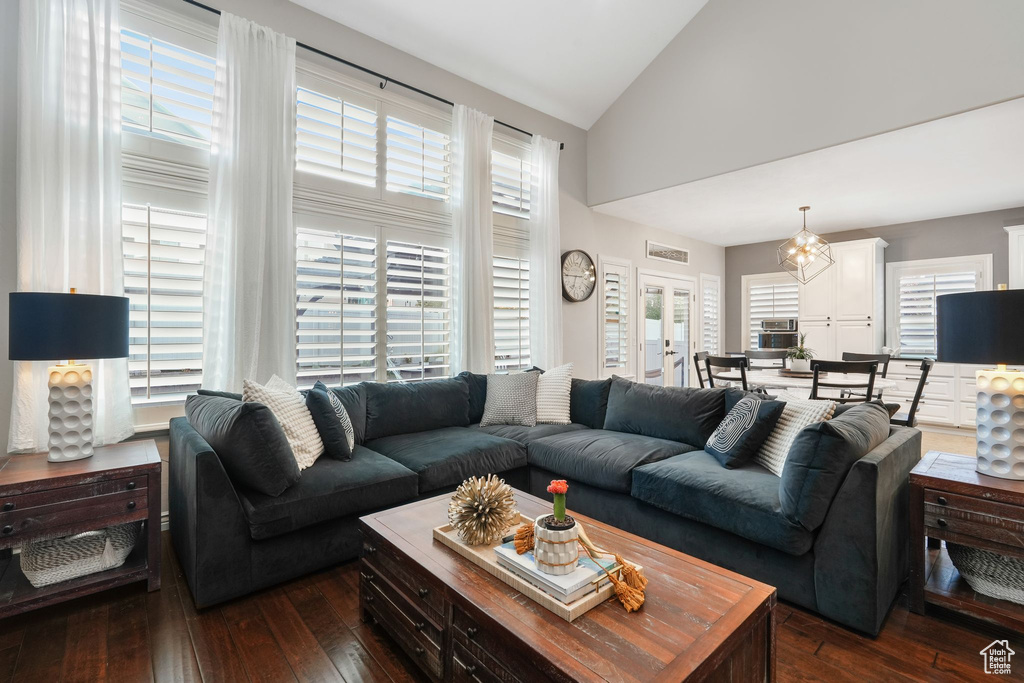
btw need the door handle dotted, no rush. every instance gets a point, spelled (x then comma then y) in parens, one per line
(670, 353)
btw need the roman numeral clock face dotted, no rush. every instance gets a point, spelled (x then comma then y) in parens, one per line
(578, 276)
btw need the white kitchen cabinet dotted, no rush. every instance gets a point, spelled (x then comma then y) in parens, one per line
(843, 309)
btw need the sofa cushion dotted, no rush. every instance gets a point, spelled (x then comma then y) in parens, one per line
(330, 489)
(822, 455)
(248, 440)
(676, 413)
(477, 394)
(588, 401)
(743, 501)
(445, 457)
(527, 435)
(405, 408)
(600, 457)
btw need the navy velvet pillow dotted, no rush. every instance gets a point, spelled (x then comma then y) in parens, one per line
(477, 394)
(332, 433)
(588, 401)
(675, 413)
(745, 427)
(248, 440)
(415, 407)
(821, 457)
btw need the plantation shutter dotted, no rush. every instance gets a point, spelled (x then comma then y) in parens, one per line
(917, 318)
(771, 300)
(163, 280)
(510, 182)
(336, 308)
(418, 160)
(166, 90)
(335, 138)
(511, 314)
(418, 311)
(710, 314)
(615, 304)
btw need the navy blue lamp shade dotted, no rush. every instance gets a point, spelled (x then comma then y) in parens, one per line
(50, 326)
(984, 328)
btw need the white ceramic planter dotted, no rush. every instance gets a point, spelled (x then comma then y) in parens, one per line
(556, 552)
(800, 364)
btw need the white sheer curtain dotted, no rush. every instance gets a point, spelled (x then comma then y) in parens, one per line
(472, 343)
(69, 191)
(545, 257)
(249, 293)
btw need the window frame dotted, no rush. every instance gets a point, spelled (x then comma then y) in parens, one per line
(624, 267)
(705, 280)
(510, 249)
(746, 282)
(981, 264)
(510, 146)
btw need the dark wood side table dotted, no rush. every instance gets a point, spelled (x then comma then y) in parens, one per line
(951, 501)
(119, 484)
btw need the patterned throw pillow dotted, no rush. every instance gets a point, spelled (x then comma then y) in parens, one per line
(343, 418)
(553, 389)
(331, 418)
(511, 400)
(743, 431)
(289, 407)
(796, 415)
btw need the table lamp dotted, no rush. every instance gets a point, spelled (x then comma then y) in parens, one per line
(986, 328)
(57, 327)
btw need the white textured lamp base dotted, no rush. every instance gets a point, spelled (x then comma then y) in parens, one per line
(70, 412)
(1000, 423)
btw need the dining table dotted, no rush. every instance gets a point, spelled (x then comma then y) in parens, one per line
(772, 379)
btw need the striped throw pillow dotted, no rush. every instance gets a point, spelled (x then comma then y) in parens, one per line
(795, 416)
(553, 390)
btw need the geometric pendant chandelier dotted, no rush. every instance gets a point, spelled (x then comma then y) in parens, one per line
(805, 255)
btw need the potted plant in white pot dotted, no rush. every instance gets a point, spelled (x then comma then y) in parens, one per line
(800, 356)
(556, 535)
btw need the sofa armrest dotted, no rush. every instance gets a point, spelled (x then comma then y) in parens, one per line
(208, 526)
(861, 552)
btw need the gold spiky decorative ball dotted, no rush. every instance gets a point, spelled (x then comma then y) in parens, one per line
(482, 509)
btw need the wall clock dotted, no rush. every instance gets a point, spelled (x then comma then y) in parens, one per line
(579, 276)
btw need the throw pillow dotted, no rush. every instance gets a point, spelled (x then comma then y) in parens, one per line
(332, 422)
(511, 400)
(821, 458)
(288, 406)
(248, 440)
(796, 415)
(553, 391)
(743, 431)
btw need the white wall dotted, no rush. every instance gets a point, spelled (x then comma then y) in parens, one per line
(8, 178)
(747, 82)
(581, 227)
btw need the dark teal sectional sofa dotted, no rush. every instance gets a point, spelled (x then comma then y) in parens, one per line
(634, 459)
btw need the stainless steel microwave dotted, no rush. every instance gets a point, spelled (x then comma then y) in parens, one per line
(779, 324)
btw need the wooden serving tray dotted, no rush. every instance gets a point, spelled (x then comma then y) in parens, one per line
(484, 557)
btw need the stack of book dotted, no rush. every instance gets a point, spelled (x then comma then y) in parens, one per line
(567, 588)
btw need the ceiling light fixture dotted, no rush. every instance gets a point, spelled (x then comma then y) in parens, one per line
(805, 255)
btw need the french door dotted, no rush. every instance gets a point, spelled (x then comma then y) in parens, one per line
(667, 339)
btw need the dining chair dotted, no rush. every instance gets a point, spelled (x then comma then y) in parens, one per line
(909, 418)
(724, 364)
(883, 363)
(770, 355)
(698, 364)
(820, 367)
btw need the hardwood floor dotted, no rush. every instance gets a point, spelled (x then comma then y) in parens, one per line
(309, 630)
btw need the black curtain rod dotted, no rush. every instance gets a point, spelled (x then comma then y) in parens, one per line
(385, 79)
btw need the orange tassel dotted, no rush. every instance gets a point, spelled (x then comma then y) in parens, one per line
(630, 574)
(524, 539)
(631, 598)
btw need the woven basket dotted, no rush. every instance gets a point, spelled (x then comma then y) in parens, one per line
(989, 573)
(45, 562)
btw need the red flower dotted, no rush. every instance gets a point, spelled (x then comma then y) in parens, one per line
(558, 486)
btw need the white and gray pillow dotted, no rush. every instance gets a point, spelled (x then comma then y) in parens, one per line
(289, 407)
(795, 416)
(511, 400)
(553, 389)
(343, 418)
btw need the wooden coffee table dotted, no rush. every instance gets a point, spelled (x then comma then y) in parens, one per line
(459, 623)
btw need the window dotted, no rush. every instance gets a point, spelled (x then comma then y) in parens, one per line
(772, 295)
(912, 288)
(336, 307)
(418, 160)
(511, 314)
(418, 311)
(615, 319)
(335, 138)
(710, 325)
(166, 90)
(510, 179)
(163, 280)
